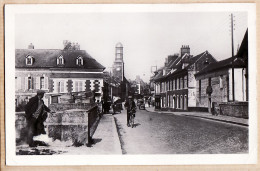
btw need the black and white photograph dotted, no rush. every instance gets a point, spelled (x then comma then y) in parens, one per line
(159, 84)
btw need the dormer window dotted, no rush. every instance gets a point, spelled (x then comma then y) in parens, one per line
(60, 60)
(29, 60)
(79, 60)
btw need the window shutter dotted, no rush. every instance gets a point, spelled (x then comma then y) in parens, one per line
(46, 83)
(82, 61)
(57, 61)
(80, 85)
(23, 83)
(26, 83)
(76, 86)
(77, 61)
(61, 86)
(19, 83)
(220, 82)
(37, 83)
(33, 83)
(57, 87)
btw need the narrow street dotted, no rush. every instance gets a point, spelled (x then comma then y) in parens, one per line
(161, 133)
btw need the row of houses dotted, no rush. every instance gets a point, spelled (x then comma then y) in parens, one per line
(188, 83)
(65, 75)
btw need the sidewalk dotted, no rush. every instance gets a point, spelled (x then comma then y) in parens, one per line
(205, 115)
(107, 134)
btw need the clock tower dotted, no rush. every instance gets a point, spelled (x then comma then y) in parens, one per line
(118, 66)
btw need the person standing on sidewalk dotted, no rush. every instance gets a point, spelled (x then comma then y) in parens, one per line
(36, 114)
(129, 105)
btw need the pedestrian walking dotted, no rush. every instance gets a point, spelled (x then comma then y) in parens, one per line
(36, 114)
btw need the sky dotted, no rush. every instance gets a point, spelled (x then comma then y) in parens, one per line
(147, 38)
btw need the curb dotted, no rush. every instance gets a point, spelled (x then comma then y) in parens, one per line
(116, 138)
(219, 120)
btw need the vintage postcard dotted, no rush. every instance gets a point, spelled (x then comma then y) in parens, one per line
(132, 84)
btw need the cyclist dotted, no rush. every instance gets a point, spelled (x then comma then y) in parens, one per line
(129, 105)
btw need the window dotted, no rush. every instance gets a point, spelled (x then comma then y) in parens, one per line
(78, 86)
(199, 90)
(41, 82)
(29, 60)
(30, 83)
(60, 60)
(185, 81)
(60, 86)
(178, 83)
(181, 83)
(221, 81)
(54, 99)
(79, 61)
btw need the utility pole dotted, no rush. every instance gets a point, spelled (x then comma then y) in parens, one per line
(232, 45)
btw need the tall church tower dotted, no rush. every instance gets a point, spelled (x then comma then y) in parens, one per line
(118, 66)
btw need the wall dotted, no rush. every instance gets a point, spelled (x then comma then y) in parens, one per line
(64, 125)
(240, 84)
(202, 98)
(222, 90)
(191, 79)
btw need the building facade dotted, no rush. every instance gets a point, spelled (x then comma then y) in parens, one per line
(57, 72)
(175, 83)
(218, 76)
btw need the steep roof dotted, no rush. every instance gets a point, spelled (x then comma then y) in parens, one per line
(226, 63)
(187, 59)
(244, 46)
(47, 58)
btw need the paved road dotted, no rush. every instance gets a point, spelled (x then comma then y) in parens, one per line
(171, 134)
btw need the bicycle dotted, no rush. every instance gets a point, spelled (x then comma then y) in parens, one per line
(132, 118)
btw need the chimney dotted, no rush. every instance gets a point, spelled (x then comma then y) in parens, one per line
(166, 61)
(77, 46)
(185, 49)
(31, 46)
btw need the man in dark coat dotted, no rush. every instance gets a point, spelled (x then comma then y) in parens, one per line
(36, 114)
(129, 105)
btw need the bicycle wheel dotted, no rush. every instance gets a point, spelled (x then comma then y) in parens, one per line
(132, 121)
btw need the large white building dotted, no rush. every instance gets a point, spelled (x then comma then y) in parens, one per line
(58, 72)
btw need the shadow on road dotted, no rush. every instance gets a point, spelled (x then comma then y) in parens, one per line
(97, 140)
(136, 124)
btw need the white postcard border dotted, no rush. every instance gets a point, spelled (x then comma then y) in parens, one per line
(13, 159)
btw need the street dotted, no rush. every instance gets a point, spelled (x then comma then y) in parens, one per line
(166, 133)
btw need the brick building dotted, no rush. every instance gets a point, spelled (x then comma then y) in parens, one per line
(175, 83)
(218, 76)
(58, 72)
